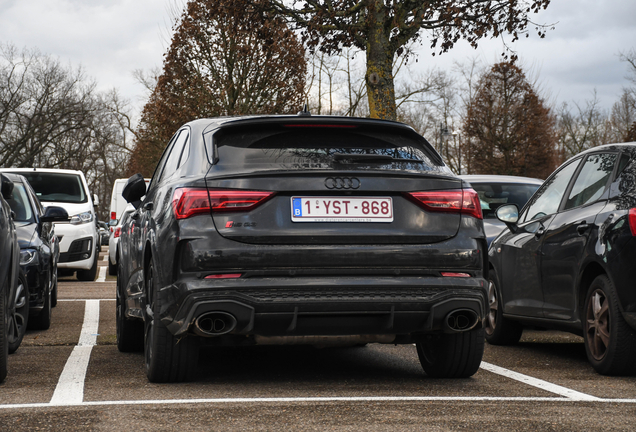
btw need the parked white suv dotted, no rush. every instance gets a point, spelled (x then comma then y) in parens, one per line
(79, 237)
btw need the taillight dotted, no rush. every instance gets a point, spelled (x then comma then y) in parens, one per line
(632, 221)
(188, 202)
(117, 232)
(464, 201)
(113, 215)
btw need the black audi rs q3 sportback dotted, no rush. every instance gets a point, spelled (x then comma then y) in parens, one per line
(301, 230)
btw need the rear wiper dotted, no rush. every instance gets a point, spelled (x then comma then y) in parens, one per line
(370, 158)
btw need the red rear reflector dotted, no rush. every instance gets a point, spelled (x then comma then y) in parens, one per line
(224, 276)
(632, 221)
(117, 232)
(188, 202)
(464, 201)
(453, 274)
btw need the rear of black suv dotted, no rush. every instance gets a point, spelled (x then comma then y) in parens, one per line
(303, 230)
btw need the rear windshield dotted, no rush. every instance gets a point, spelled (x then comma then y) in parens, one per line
(57, 187)
(494, 195)
(320, 148)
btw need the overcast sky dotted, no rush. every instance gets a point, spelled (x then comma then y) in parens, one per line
(112, 38)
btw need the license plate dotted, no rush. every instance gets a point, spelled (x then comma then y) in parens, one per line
(349, 209)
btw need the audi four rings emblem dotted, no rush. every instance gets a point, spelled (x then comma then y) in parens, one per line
(342, 183)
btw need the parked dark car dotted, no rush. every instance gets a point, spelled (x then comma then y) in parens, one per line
(497, 190)
(9, 270)
(565, 261)
(39, 255)
(304, 230)
(104, 233)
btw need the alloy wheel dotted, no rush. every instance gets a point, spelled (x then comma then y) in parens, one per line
(493, 306)
(597, 324)
(18, 319)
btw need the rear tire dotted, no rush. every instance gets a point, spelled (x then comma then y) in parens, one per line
(168, 358)
(112, 268)
(4, 343)
(43, 320)
(54, 290)
(130, 333)
(499, 329)
(19, 316)
(455, 355)
(89, 275)
(610, 343)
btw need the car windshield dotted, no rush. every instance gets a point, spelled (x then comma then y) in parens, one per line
(57, 187)
(494, 195)
(19, 203)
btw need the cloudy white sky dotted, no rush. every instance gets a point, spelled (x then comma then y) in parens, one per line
(112, 38)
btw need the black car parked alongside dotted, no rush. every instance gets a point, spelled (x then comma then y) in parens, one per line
(39, 254)
(566, 261)
(9, 270)
(303, 230)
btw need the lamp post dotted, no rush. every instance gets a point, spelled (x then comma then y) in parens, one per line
(445, 134)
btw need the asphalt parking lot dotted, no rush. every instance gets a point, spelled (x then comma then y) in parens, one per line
(72, 377)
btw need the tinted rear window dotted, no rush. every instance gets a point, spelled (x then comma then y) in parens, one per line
(319, 148)
(56, 187)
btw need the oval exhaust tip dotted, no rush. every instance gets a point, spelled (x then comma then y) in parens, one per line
(461, 320)
(214, 324)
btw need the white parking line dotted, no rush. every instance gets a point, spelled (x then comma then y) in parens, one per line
(535, 382)
(105, 257)
(83, 300)
(252, 401)
(102, 275)
(70, 387)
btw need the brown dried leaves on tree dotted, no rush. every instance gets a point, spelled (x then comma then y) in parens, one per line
(509, 129)
(227, 57)
(384, 28)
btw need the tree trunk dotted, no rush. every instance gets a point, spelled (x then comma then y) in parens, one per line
(379, 77)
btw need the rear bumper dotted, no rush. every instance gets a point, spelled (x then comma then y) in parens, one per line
(325, 306)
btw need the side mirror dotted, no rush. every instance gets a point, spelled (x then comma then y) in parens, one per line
(7, 187)
(95, 200)
(54, 214)
(508, 214)
(135, 189)
(112, 222)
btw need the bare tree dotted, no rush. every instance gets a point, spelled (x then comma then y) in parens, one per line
(623, 117)
(227, 57)
(52, 117)
(628, 99)
(383, 29)
(582, 127)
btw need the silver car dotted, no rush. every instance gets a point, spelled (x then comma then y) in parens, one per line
(497, 190)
